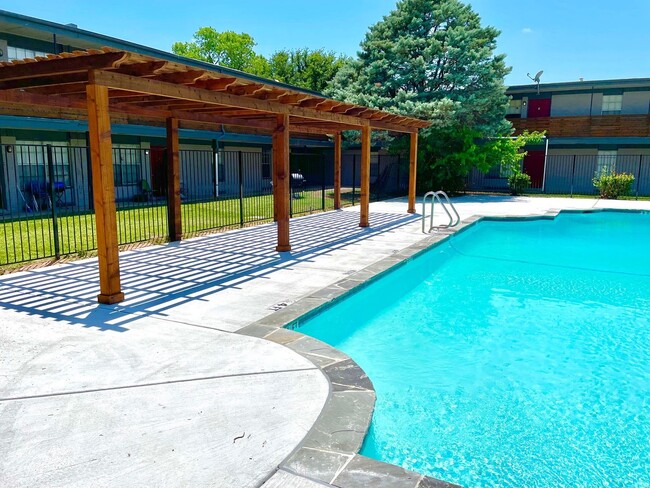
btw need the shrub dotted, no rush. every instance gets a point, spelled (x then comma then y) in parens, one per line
(613, 185)
(518, 183)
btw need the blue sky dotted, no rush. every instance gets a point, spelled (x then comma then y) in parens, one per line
(569, 39)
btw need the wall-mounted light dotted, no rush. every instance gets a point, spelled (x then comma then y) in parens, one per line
(10, 149)
(525, 103)
(146, 152)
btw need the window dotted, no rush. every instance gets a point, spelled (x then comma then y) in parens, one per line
(14, 53)
(505, 171)
(514, 107)
(606, 162)
(127, 163)
(266, 165)
(31, 162)
(612, 104)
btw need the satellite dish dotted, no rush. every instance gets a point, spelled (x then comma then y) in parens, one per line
(536, 79)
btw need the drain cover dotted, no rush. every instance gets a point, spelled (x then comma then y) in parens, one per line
(279, 306)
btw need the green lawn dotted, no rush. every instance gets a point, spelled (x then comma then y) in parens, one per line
(33, 237)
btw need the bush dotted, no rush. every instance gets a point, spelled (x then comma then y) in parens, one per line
(518, 183)
(614, 185)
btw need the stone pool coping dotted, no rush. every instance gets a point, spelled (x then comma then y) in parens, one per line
(329, 453)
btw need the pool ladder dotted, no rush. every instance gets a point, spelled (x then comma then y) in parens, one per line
(454, 219)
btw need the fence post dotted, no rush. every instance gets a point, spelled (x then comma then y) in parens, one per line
(378, 182)
(398, 189)
(354, 176)
(241, 188)
(215, 172)
(322, 165)
(638, 176)
(55, 223)
(573, 174)
(89, 168)
(291, 186)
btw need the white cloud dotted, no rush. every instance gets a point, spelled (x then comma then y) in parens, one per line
(527, 30)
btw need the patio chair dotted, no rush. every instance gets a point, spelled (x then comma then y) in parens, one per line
(145, 192)
(39, 196)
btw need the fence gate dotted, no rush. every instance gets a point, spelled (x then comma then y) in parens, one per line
(308, 184)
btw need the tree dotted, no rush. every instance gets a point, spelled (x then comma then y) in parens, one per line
(433, 59)
(228, 49)
(311, 69)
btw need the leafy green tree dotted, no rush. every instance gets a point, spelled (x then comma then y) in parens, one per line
(433, 59)
(311, 69)
(227, 48)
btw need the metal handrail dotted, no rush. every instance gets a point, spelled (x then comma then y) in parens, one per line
(435, 195)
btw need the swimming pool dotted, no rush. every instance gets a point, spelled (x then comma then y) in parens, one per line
(516, 353)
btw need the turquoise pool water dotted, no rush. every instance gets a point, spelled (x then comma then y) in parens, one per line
(517, 354)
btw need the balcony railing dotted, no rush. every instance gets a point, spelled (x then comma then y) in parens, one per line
(585, 126)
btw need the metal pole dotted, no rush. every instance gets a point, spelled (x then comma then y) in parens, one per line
(354, 176)
(55, 223)
(241, 190)
(573, 173)
(89, 169)
(545, 161)
(322, 164)
(398, 189)
(638, 176)
(215, 173)
(290, 187)
(377, 180)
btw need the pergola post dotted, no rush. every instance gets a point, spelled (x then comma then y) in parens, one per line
(337, 170)
(365, 176)
(413, 169)
(99, 129)
(173, 182)
(281, 173)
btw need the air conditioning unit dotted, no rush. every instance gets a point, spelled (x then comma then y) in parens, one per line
(4, 56)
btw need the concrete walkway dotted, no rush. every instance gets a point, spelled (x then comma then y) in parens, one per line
(159, 390)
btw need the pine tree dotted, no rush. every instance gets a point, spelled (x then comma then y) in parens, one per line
(433, 59)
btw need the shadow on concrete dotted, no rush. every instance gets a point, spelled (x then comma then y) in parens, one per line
(159, 278)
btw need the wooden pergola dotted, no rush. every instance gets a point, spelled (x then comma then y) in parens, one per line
(112, 86)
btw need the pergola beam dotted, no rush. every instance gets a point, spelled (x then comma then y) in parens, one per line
(154, 87)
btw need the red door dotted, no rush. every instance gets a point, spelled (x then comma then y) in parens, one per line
(158, 170)
(539, 107)
(534, 167)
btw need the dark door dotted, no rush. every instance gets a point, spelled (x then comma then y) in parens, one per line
(158, 170)
(534, 167)
(539, 107)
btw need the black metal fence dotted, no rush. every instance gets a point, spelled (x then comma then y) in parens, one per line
(572, 174)
(388, 177)
(46, 195)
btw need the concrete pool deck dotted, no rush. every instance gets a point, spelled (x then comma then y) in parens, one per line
(161, 389)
